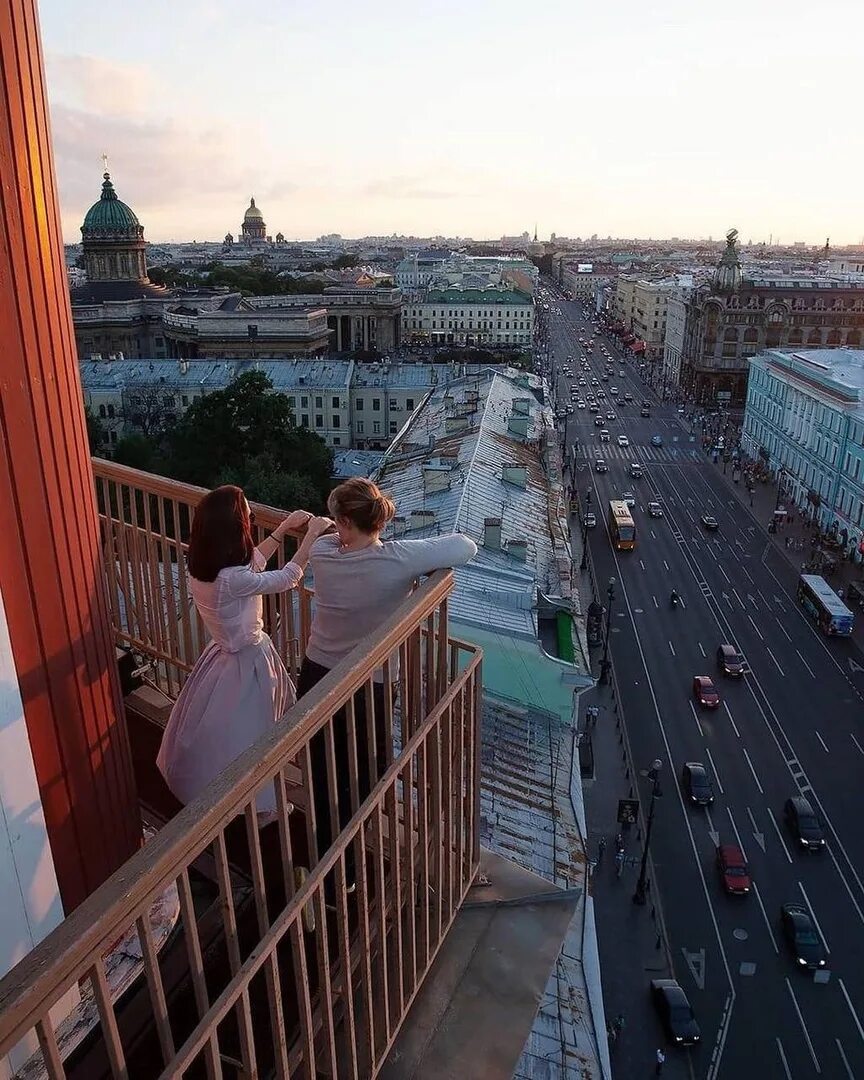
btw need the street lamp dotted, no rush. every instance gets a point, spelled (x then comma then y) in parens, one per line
(584, 564)
(604, 663)
(639, 896)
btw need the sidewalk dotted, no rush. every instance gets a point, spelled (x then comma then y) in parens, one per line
(632, 940)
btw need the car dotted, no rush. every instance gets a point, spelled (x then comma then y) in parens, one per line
(580, 404)
(569, 408)
(803, 824)
(710, 522)
(636, 470)
(613, 390)
(733, 870)
(604, 435)
(623, 440)
(705, 691)
(593, 406)
(681, 410)
(605, 376)
(655, 509)
(675, 1012)
(599, 421)
(610, 415)
(697, 783)
(628, 396)
(600, 466)
(629, 498)
(601, 394)
(582, 382)
(656, 440)
(621, 402)
(644, 412)
(729, 660)
(590, 521)
(802, 938)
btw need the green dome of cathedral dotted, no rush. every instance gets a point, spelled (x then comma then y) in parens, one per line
(109, 216)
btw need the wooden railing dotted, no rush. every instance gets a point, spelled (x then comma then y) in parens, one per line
(145, 521)
(291, 957)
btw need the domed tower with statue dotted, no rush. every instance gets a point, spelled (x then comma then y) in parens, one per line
(113, 239)
(253, 230)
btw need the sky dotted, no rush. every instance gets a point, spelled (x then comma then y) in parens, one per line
(473, 118)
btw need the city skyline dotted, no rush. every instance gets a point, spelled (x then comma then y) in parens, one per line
(469, 123)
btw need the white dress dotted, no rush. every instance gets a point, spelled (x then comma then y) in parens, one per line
(238, 688)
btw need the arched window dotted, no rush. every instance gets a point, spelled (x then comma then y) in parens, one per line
(730, 333)
(814, 337)
(751, 334)
(833, 337)
(853, 338)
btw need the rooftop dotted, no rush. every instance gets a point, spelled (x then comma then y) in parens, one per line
(491, 295)
(838, 371)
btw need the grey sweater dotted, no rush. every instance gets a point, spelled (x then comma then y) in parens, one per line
(355, 591)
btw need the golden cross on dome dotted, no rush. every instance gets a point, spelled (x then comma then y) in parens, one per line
(105, 162)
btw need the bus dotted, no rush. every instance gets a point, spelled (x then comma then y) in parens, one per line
(621, 525)
(824, 606)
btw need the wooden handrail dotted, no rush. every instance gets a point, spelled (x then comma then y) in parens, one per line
(29, 990)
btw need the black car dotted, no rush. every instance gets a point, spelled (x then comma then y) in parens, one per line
(675, 1012)
(710, 523)
(804, 824)
(697, 783)
(802, 937)
(729, 660)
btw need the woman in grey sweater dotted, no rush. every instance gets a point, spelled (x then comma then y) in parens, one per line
(360, 581)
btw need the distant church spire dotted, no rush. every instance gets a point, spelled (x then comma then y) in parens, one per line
(535, 232)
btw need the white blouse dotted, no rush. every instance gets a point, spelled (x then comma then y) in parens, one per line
(231, 607)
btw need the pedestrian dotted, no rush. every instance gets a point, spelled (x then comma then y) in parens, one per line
(618, 1023)
(660, 1061)
(840, 592)
(787, 540)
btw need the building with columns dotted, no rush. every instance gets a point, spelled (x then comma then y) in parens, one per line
(491, 316)
(736, 316)
(253, 230)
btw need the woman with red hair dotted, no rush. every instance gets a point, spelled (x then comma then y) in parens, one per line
(239, 687)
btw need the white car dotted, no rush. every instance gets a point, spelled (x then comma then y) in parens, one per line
(590, 521)
(655, 509)
(604, 435)
(629, 498)
(623, 440)
(580, 404)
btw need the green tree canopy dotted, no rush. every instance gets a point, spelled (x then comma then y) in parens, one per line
(245, 435)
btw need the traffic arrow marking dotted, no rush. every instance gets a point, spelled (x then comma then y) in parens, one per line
(712, 832)
(853, 667)
(696, 963)
(757, 836)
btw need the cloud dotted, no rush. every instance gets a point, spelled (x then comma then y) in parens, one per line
(99, 86)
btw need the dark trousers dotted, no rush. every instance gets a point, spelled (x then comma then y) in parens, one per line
(311, 674)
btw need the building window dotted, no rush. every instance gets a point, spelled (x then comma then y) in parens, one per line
(409, 403)
(336, 420)
(337, 441)
(376, 426)
(394, 427)
(359, 426)
(168, 401)
(304, 402)
(110, 412)
(359, 404)
(335, 401)
(102, 413)
(319, 403)
(184, 401)
(319, 420)
(304, 419)
(376, 404)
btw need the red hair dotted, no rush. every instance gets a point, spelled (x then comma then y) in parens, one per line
(221, 533)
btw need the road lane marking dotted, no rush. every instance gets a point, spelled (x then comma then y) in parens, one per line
(696, 963)
(752, 770)
(696, 718)
(738, 598)
(785, 631)
(671, 648)
(783, 1059)
(714, 770)
(804, 662)
(642, 564)
(666, 564)
(851, 1009)
(816, 1064)
(758, 836)
(731, 720)
(654, 598)
(774, 658)
(699, 643)
(858, 744)
(821, 740)
(849, 1072)
(758, 896)
(813, 916)
(722, 1032)
(723, 572)
(755, 627)
(773, 821)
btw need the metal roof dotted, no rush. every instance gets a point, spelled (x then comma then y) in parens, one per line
(464, 432)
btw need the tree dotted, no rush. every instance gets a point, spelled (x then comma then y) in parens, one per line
(149, 409)
(138, 452)
(95, 431)
(245, 434)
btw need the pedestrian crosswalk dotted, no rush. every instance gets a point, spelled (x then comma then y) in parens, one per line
(676, 454)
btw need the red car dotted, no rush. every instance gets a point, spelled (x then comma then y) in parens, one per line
(733, 870)
(705, 692)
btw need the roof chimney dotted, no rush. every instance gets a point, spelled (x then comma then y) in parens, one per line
(421, 519)
(492, 533)
(518, 549)
(436, 478)
(460, 423)
(518, 425)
